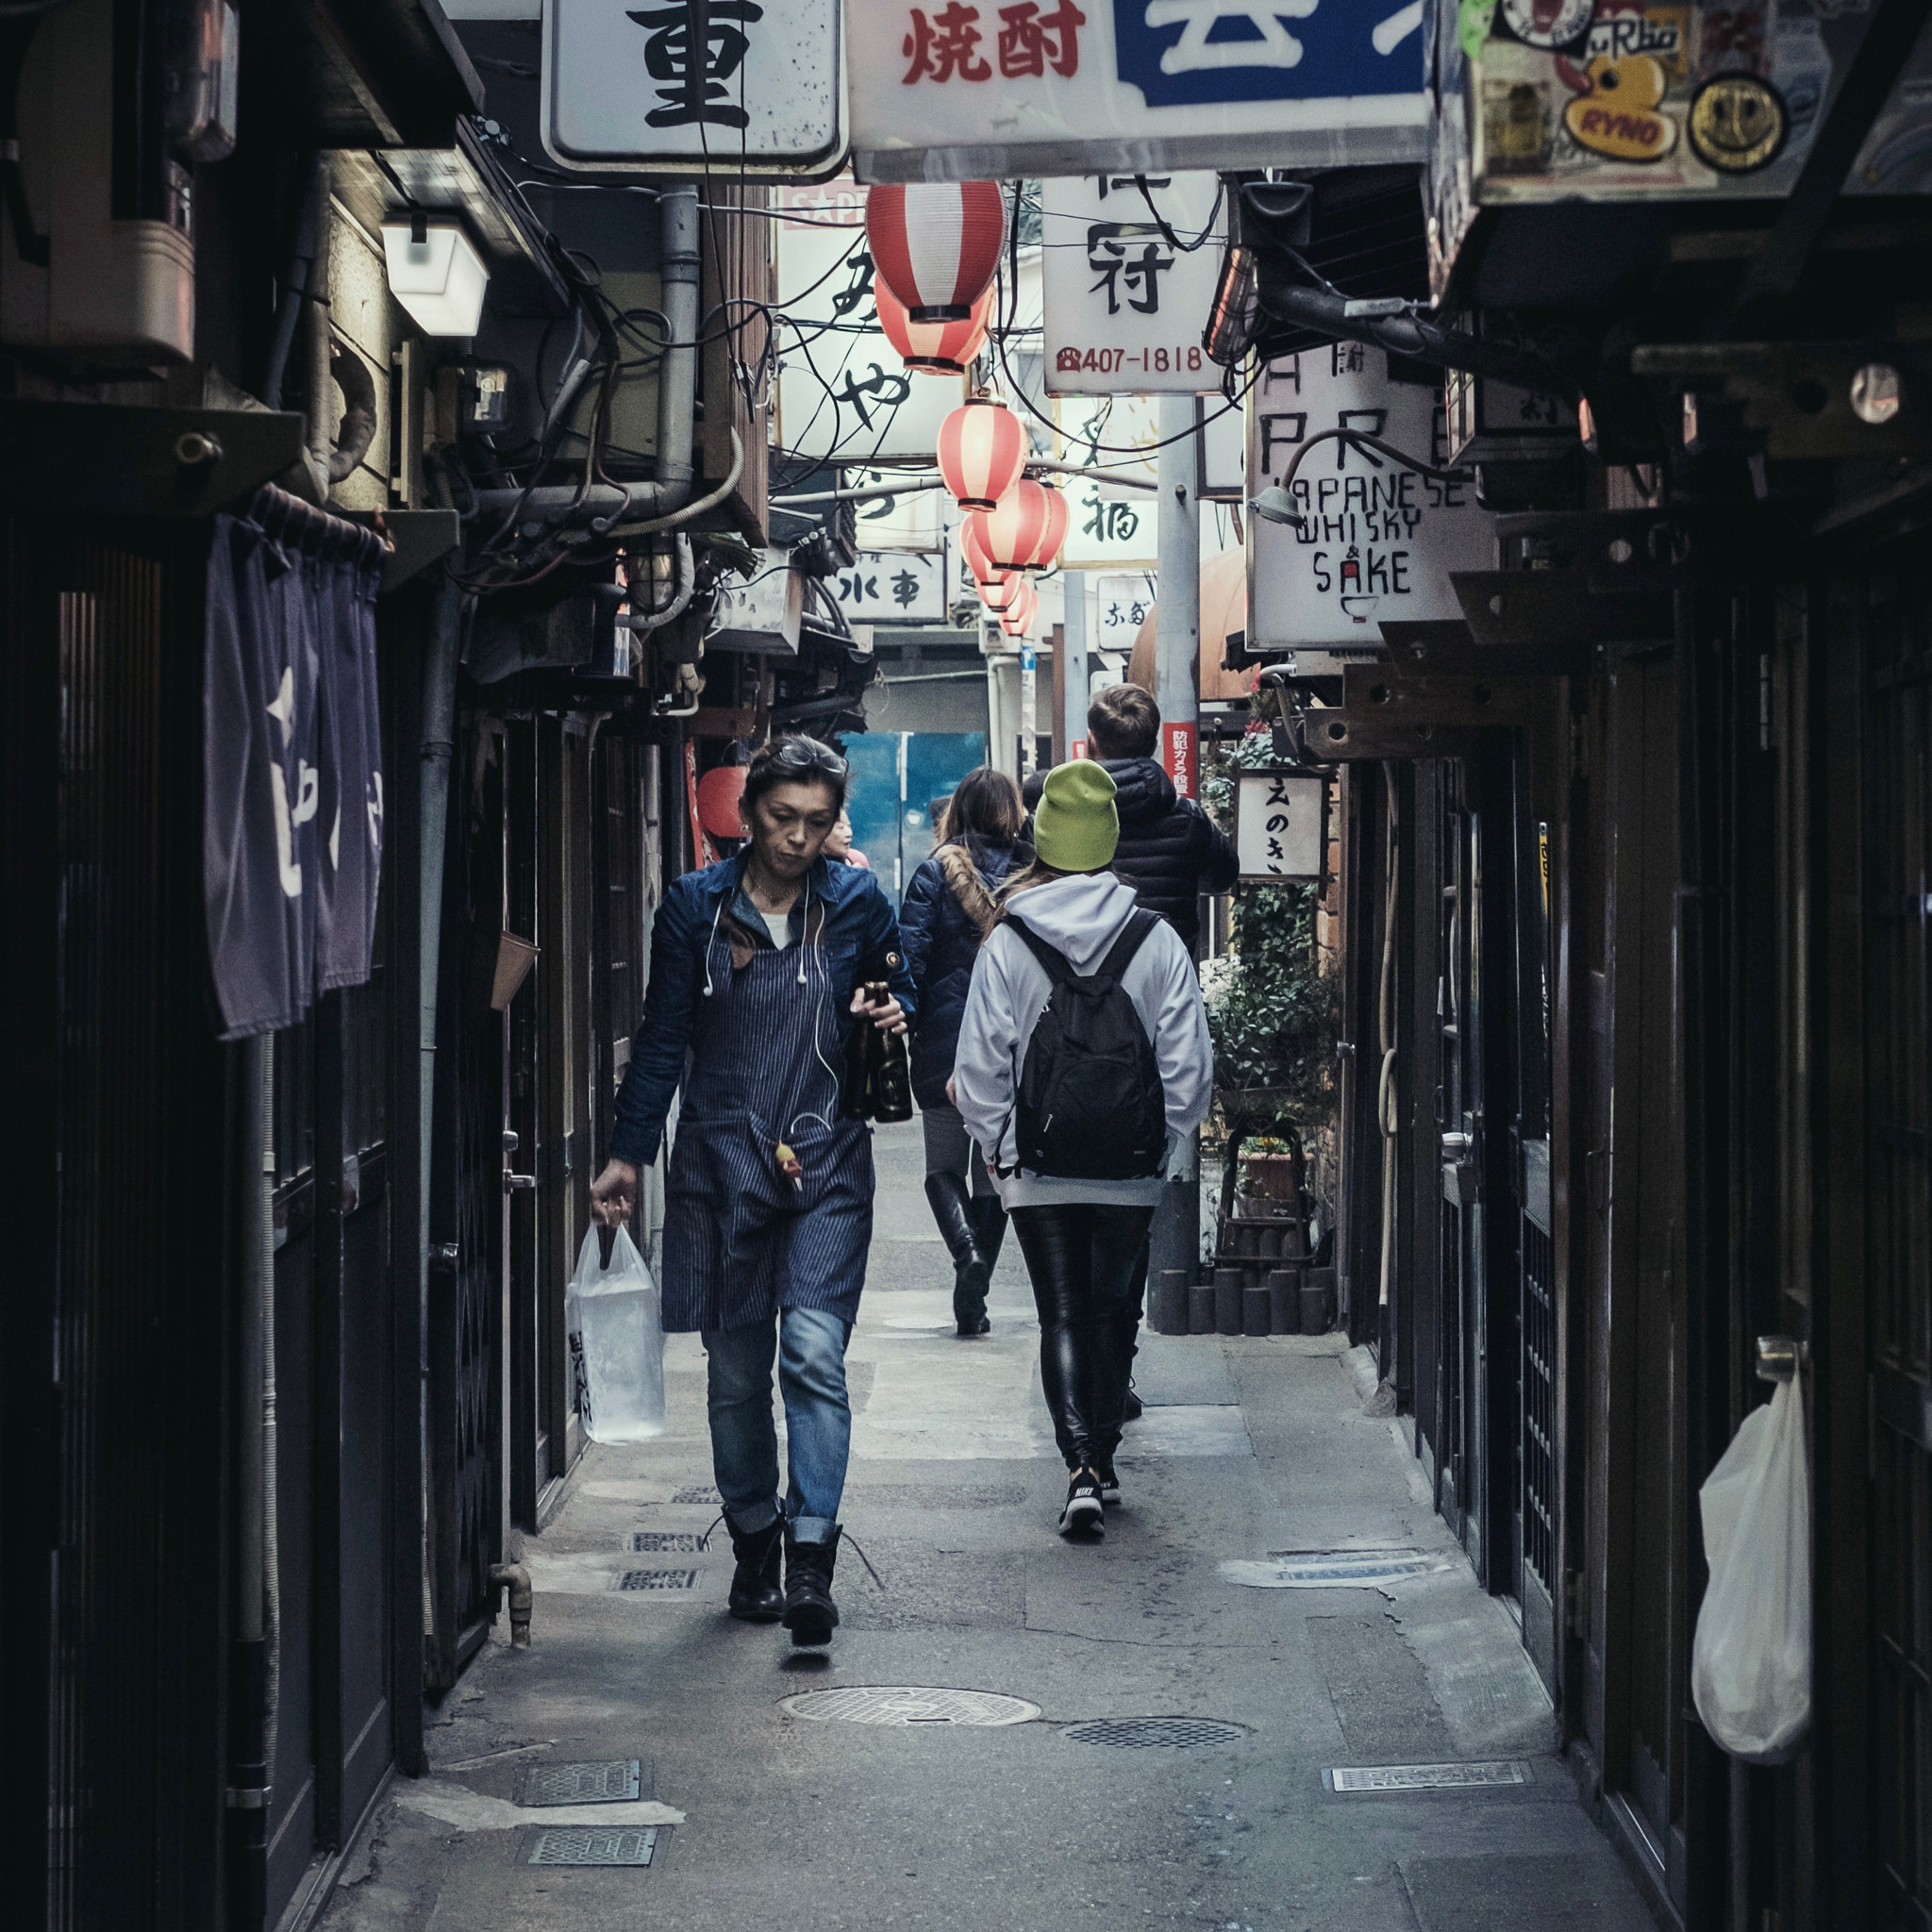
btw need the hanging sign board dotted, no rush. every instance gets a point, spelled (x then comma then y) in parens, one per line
(1122, 603)
(965, 89)
(1109, 527)
(844, 395)
(1279, 825)
(1223, 452)
(1125, 306)
(911, 521)
(673, 87)
(762, 613)
(1378, 541)
(892, 586)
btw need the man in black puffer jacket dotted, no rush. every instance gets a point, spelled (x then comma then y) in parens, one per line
(1169, 851)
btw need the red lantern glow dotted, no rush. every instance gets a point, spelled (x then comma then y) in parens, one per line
(1026, 529)
(982, 453)
(936, 244)
(933, 348)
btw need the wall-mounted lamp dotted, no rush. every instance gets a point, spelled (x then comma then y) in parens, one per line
(435, 274)
(1276, 506)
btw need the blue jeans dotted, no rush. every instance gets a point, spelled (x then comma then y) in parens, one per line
(810, 1348)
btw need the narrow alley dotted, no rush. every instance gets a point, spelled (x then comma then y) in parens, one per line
(1014, 1809)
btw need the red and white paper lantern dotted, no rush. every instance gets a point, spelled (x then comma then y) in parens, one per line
(1000, 590)
(982, 451)
(933, 348)
(1017, 618)
(1026, 529)
(936, 244)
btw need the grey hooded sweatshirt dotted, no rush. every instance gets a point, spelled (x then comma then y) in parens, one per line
(1082, 915)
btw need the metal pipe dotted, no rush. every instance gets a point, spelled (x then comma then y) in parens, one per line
(516, 1580)
(271, 1512)
(248, 1754)
(300, 278)
(931, 479)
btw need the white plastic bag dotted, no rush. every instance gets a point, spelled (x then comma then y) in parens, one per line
(1751, 1658)
(615, 1320)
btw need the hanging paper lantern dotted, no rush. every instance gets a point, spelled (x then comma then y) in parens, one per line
(1001, 590)
(933, 348)
(1017, 620)
(982, 452)
(1026, 529)
(973, 549)
(936, 244)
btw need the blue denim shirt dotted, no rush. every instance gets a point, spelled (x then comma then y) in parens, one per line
(690, 951)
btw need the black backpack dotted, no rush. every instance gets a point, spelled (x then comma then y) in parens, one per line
(1091, 1106)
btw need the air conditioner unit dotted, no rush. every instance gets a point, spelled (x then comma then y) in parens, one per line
(98, 261)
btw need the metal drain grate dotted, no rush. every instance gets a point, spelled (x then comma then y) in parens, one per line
(1428, 1777)
(1155, 1733)
(905, 1704)
(591, 1844)
(663, 1542)
(614, 1781)
(659, 1579)
(698, 1492)
(1335, 1569)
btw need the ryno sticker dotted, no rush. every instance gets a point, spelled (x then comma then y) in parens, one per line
(1619, 116)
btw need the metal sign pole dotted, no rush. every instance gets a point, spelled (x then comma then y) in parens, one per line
(1074, 678)
(1174, 1238)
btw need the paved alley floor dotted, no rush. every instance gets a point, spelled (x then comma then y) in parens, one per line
(778, 1817)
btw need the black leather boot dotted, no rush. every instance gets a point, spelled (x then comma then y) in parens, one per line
(756, 1596)
(810, 1614)
(952, 1208)
(990, 1220)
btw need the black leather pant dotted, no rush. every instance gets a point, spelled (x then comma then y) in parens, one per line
(1086, 1263)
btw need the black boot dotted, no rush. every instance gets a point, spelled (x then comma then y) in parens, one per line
(989, 1219)
(952, 1208)
(810, 1614)
(756, 1596)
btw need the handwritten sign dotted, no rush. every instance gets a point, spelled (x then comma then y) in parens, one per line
(1376, 542)
(1279, 824)
(892, 586)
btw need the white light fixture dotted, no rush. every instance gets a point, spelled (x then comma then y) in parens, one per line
(435, 274)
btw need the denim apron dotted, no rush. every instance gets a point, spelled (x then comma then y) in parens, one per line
(740, 1243)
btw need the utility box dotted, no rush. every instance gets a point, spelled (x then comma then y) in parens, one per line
(106, 267)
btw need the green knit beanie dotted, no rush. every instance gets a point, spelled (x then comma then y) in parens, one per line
(1076, 827)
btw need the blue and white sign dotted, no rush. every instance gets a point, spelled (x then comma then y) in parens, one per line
(951, 90)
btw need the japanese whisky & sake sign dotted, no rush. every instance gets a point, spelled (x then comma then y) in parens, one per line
(1376, 542)
(965, 89)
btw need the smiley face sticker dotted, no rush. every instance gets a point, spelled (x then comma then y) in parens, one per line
(1619, 116)
(1737, 123)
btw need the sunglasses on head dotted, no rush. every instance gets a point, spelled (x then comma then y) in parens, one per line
(806, 754)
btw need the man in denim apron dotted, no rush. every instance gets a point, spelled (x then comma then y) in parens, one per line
(756, 966)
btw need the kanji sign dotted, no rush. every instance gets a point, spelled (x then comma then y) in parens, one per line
(1124, 304)
(843, 394)
(1083, 85)
(1122, 603)
(669, 86)
(1109, 527)
(892, 586)
(1378, 541)
(911, 520)
(1279, 825)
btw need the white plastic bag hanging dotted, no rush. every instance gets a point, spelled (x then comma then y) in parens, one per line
(1751, 1658)
(615, 1320)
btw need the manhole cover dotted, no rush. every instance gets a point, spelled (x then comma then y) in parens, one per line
(903, 1703)
(1334, 1569)
(649, 1542)
(698, 1492)
(659, 1579)
(614, 1781)
(591, 1844)
(1155, 1733)
(1428, 1777)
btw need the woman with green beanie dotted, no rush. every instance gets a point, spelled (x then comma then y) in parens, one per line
(1083, 1062)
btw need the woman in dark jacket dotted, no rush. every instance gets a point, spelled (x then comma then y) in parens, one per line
(947, 911)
